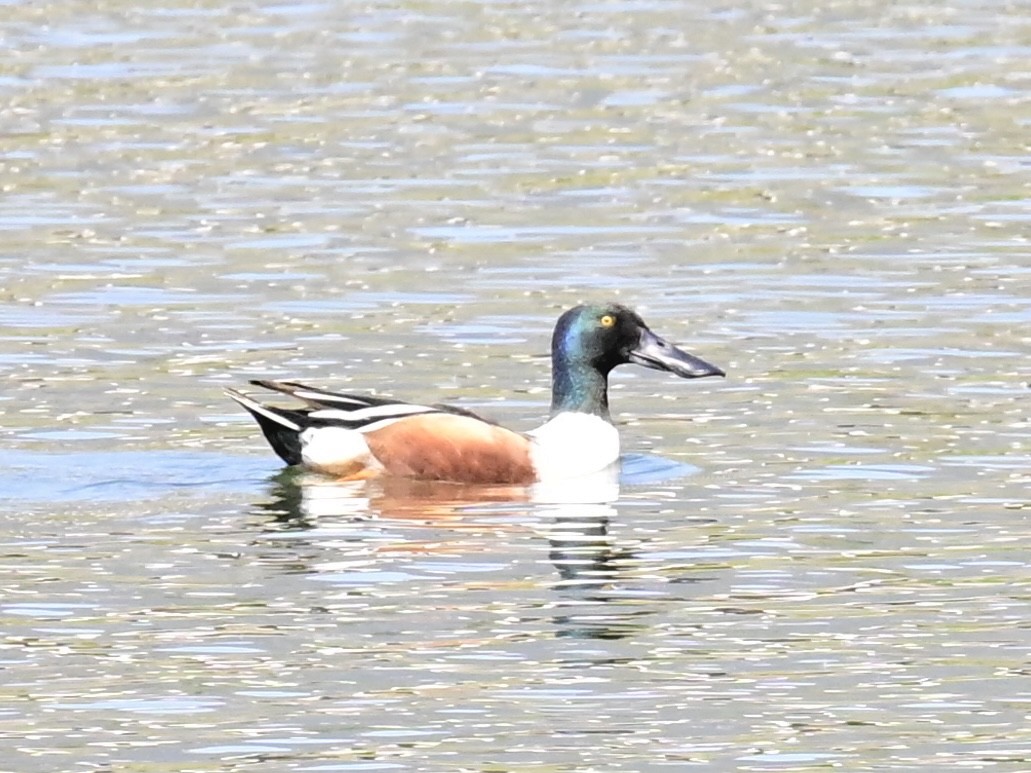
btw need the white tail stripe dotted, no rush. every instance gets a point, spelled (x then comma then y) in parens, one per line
(328, 397)
(259, 408)
(375, 425)
(394, 411)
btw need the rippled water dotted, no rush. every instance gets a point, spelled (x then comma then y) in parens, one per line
(820, 562)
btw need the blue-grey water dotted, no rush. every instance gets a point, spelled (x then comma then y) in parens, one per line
(818, 563)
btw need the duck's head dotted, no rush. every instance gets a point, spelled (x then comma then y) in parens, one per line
(590, 341)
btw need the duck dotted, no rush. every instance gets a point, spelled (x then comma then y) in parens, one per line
(352, 436)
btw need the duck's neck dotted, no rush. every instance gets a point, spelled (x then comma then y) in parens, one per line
(578, 387)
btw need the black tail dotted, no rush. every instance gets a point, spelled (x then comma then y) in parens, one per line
(286, 442)
(282, 427)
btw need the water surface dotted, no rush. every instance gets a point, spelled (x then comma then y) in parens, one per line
(820, 562)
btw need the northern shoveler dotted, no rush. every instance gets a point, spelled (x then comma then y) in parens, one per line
(353, 436)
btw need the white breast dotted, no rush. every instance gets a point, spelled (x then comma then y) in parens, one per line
(573, 444)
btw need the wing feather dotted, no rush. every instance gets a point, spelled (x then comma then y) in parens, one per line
(447, 446)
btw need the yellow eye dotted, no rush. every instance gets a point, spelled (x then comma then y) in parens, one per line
(607, 321)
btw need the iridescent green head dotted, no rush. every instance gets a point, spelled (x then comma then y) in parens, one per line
(589, 341)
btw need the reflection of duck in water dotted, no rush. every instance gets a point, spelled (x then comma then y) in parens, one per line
(351, 437)
(392, 521)
(301, 497)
